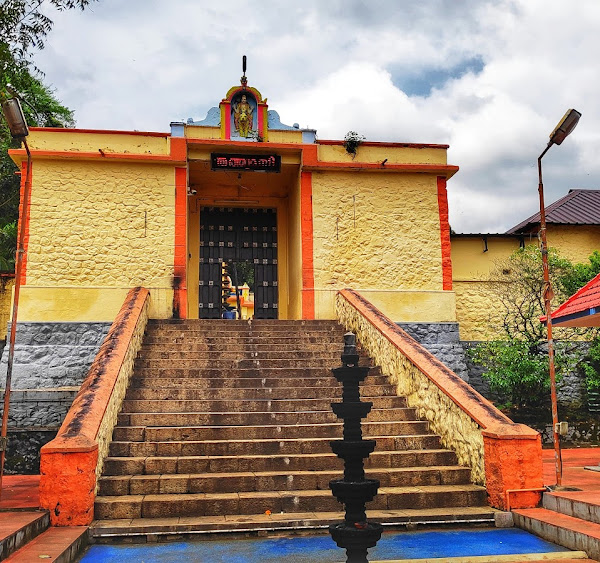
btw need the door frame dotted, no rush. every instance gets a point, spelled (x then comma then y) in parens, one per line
(195, 203)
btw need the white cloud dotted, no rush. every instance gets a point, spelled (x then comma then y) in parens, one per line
(335, 66)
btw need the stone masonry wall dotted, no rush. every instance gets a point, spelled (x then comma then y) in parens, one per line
(49, 355)
(51, 361)
(443, 341)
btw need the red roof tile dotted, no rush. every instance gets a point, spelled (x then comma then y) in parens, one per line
(588, 297)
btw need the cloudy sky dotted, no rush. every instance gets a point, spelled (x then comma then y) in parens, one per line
(491, 78)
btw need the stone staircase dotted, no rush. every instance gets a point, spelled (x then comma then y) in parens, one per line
(25, 536)
(226, 427)
(570, 519)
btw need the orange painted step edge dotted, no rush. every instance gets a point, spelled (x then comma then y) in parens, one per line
(562, 521)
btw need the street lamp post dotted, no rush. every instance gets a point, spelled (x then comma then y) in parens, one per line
(13, 114)
(560, 133)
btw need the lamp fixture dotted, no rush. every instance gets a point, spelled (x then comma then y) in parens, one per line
(565, 127)
(13, 113)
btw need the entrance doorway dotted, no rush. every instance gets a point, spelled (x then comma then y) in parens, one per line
(237, 246)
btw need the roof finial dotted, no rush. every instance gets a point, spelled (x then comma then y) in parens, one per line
(244, 80)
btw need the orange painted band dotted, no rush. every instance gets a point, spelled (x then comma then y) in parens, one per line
(290, 148)
(442, 195)
(447, 170)
(180, 253)
(306, 228)
(67, 155)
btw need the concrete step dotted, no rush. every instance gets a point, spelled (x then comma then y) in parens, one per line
(248, 405)
(274, 481)
(257, 432)
(250, 323)
(178, 353)
(245, 378)
(215, 504)
(155, 465)
(55, 545)
(564, 530)
(17, 528)
(242, 363)
(152, 529)
(230, 330)
(230, 394)
(579, 504)
(253, 418)
(324, 339)
(282, 446)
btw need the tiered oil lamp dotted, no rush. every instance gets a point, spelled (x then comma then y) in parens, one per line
(354, 534)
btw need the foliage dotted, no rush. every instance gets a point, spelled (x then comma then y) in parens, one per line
(8, 245)
(43, 110)
(23, 28)
(582, 274)
(517, 367)
(245, 273)
(518, 284)
(514, 371)
(352, 141)
(591, 367)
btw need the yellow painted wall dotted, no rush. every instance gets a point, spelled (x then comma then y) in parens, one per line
(476, 308)
(295, 253)
(100, 226)
(575, 242)
(393, 244)
(74, 141)
(405, 306)
(199, 132)
(6, 289)
(285, 136)
(85, 304)
(394, 155)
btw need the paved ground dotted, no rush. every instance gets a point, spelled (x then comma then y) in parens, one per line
(19, 492)
(574, 474)
(393, 545)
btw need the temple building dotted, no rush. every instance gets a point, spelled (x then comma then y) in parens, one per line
(300, 217)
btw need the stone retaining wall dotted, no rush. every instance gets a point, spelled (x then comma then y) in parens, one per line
(51, 355)
(51, 361)
(443, 341)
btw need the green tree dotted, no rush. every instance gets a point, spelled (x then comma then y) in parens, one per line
(516, 367)
(582, 273)
(42, 109)
(8, 244)
(23, 29)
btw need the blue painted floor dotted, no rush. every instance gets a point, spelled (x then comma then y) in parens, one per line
(393, 545)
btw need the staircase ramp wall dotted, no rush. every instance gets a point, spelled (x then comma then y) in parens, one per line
(71, 464)
(503, 456)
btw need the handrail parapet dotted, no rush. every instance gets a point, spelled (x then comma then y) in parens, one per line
(502, 454)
